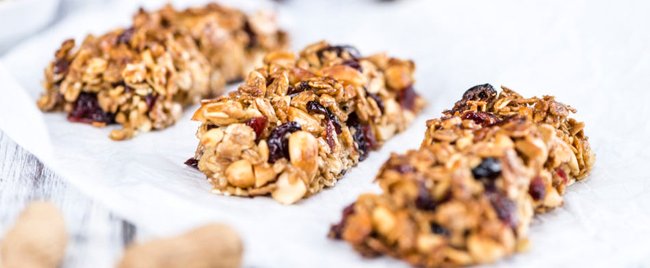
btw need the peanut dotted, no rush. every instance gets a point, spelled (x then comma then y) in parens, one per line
(37, 239)
(212, 245)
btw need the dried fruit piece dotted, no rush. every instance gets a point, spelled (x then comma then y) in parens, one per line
(277, 141)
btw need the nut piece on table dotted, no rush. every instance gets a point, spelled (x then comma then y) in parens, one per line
(212, 245)
(38, 239)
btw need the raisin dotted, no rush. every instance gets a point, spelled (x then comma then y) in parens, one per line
(257, 124)
(193, 163)
(407, 98)
(302, 86)
(336, 230)
(363, 136)
(489, 168)
(505, 208)
(354, 63)
(125, 36)
(316, 107)
(537, 189)
(352, 51)
(481, 118)
(483, 92)
(377, 100)
(278, 143)
(424, 200)
(61, 66)
(438, 229)
(150, 99)
(86, 110)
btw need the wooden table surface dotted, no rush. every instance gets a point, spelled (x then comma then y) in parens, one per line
(97, 237)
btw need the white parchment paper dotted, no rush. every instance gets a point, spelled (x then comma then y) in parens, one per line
(594, 55)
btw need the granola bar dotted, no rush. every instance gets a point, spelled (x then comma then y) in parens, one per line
(143, 76)
(468, 195)
(299, 123)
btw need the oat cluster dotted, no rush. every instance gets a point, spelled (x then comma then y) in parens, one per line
(143, 76)
(468, 195)
(297, 124)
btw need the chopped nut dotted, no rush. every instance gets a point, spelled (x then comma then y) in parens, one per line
(240, 174)
(303, 152)
(289, 190)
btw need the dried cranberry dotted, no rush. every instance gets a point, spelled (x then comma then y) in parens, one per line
(537, 189)
(257, 124)
(352, 51)
(505, 208)
(278, 143)
(330, 132)
(125, 36)
(354, 63)
(377, 100)
(481, 118)
(438, 229)
(192, 163)
(150, 99)
(407, 98)
(302, 86)
(86, 110)
(336, 230)
(362, 136)
(404, 168)
(560, 172)
(424, 200)
(316, 107)
(489, 168)
(61, 66)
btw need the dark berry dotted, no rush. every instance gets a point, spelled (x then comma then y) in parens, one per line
(125, 36)
(407, 98)
(437, 229)
(424, 200)
(61, 66)
(505, 208)
(257, 124)
(481, 118)
(354, 63)
(336, 230)
(86, 110)
(489, 169)
(362, 135)
(278, 142)
(377, 100)
(193, 163)
(537, 189)
(150, 99)
(302, 86)
(404, 168)
(339, 50)
(316, 107)
(483, 92)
